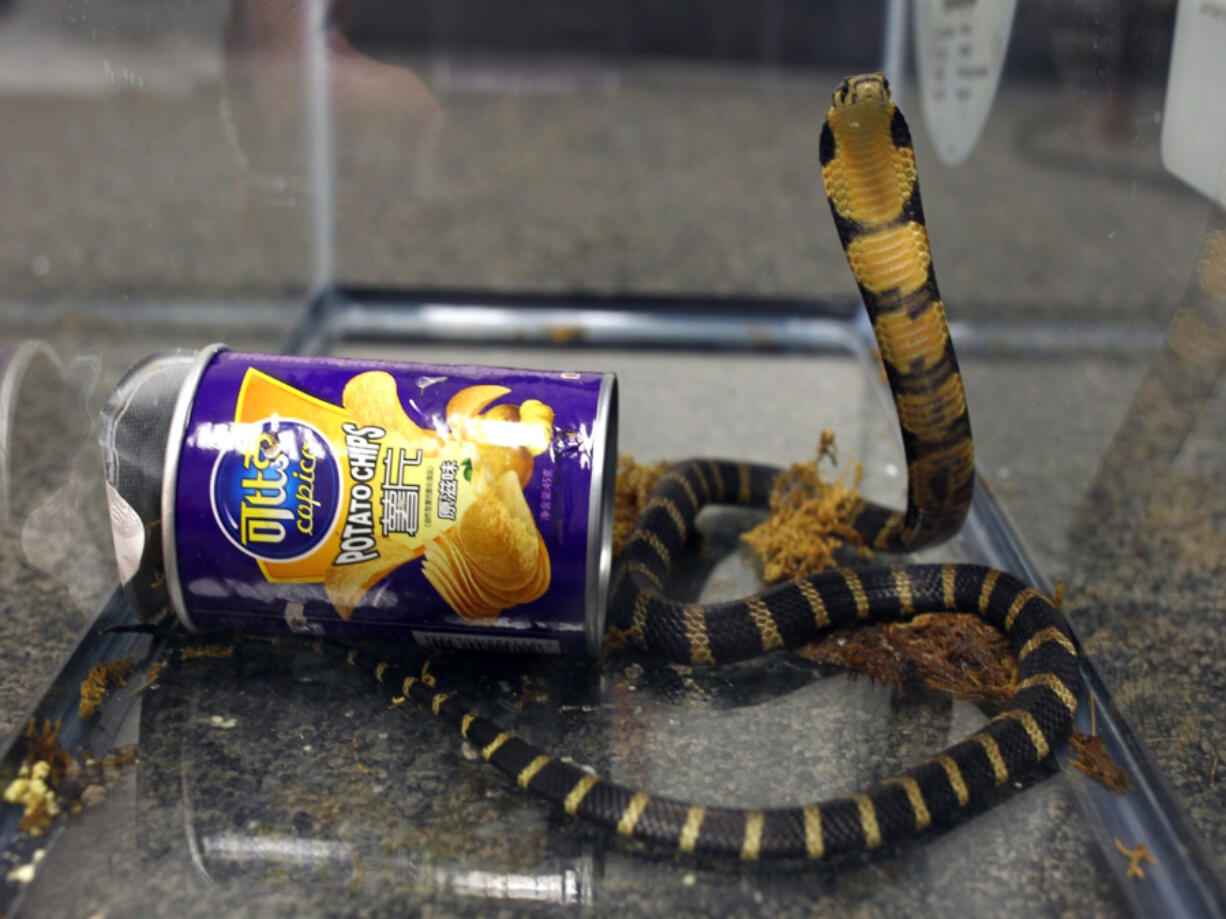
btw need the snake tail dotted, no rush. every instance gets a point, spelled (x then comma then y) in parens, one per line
(934, 792)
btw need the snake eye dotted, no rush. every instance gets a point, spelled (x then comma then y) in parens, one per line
(885, 84)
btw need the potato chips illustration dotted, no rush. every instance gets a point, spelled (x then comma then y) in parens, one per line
(483, 550)
(495, 558)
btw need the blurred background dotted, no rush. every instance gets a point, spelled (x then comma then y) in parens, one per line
(160, 152)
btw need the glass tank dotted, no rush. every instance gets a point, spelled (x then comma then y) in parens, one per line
(613, 187)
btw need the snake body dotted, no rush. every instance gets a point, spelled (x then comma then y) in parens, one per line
(868, 166)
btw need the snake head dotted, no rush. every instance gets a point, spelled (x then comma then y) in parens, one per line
(863, 88)
(862, 106)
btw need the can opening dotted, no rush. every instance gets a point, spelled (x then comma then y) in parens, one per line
(134, 435)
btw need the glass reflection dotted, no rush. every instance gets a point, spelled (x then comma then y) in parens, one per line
(48, 471)
(350, 797)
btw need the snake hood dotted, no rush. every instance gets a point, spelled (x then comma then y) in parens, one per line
(868, 168)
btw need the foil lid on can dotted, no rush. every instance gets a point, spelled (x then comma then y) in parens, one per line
(135, 429)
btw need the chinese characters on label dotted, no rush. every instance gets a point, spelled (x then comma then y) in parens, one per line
(447, 472)
(400, 500)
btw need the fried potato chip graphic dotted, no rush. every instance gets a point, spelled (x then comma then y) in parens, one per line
(451, 572)
(475, 601)
(509, 426)
(529, 425)
(508, 411)
(449, 580)
(346, 585)
(498, 533)
(372, 398)
(494, 558)
(462, 586)
(534, 587)
(469, 403)
(494, 461)
(508, 436)
(537, 413)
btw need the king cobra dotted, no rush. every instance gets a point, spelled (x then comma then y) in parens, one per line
(868, 165)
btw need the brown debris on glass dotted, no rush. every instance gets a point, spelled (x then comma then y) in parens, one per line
(100, 679)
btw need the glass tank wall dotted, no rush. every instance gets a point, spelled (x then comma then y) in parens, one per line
(627, 186)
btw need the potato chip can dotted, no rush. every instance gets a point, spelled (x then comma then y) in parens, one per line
(452, 506)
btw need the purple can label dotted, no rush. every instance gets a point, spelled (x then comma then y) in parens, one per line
(455, 506)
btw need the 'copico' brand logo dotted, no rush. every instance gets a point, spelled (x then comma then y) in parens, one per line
(275, 494)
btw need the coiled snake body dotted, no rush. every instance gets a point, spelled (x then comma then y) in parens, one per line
(868, 166)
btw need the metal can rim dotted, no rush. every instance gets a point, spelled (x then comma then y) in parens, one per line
(600, 513)
(170, 478)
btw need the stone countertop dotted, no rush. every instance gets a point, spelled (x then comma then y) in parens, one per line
(303, 794)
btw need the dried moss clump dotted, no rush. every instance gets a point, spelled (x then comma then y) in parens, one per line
(956, 653)
(192, 652)
(1093, 760)
(36, 796)
(42, 771)
(1137, 854)
(100, 679)
(810, 518)
(51, 782)
(863, 650)
(959, 654)
(151, 677)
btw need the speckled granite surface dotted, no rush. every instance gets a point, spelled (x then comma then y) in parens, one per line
(277, 784)
(275, 781)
